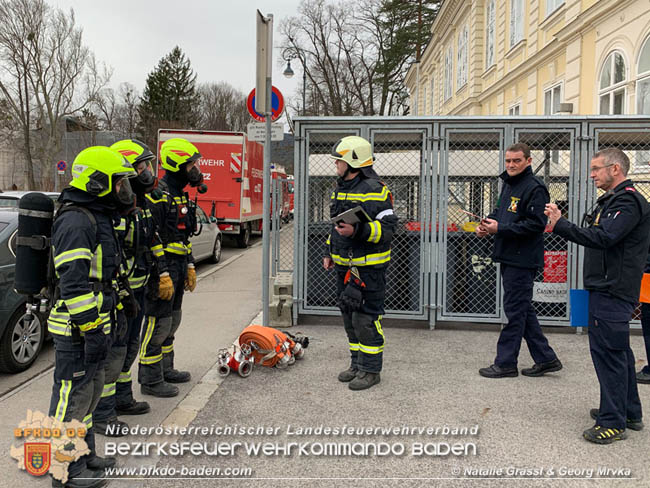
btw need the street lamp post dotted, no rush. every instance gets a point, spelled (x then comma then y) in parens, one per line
(288, 73)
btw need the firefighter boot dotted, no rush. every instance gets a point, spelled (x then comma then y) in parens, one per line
(134, 408)
(364, 380)
(111, 428)
(348, 375)
(97, 463)
(160, 390)
(86, 479)
(173, 375)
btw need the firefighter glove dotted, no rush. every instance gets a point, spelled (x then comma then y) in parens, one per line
(95, 346)
(127, 299)
(190, 280)
(352, 296)
(166, 287)
(131, 306)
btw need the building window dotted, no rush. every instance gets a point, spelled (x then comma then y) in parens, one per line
(643, 81)
(515, 110)
(433, 96)
(449, 72)
(612, 85)
(516, 21)
(552, 99)
(461, 75)
(490, 34)
(552, 6)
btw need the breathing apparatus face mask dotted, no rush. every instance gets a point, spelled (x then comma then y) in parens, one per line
(145, 182)
(194, 177)
(124, 197)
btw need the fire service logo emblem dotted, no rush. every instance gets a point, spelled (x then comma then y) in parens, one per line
(37, 458)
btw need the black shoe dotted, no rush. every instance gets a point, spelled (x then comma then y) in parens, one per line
(495, 371)
(643, 377)
(175, 376)
(629, 423)
(604, 435)
(93, 479)
(135, 408)
(348, 375)
(364, 380)
(160, 390)
(539, 369)
(98, 462)
(111, 427)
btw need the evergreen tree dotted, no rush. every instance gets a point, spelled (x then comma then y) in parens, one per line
(170, 98)
(406, 29)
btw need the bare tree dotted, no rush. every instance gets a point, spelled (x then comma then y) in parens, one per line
(222, 107)
(355, 53)
(46, 74)
(118, 112)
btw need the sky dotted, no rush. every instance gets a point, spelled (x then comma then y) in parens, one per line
(218, 36)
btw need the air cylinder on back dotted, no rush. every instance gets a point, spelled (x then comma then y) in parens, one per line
(35, 213)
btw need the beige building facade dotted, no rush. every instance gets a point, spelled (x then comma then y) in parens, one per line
(527, 57)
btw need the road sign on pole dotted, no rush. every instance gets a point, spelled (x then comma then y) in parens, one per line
(264, 58)
(277, 105)
(257, 132)
(262, 105)
(61, 166)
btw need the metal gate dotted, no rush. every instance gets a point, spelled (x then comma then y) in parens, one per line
(441, 170)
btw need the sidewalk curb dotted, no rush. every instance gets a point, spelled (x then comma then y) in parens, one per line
(187, 410)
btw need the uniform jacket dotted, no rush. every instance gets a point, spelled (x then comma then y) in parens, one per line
(616, 242)
(150, 248)
(370, 244)
(174, 218)
(84, 254)
(519, 240)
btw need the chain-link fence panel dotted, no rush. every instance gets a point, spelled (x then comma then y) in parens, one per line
(319, 284)
(635, 143)
(281, 226)
(399, 158)
(553, 154)
(399, 161)
(469, 167)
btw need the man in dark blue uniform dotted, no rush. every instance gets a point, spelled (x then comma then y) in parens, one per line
(518, 227)
(360, 253)
(616, 244)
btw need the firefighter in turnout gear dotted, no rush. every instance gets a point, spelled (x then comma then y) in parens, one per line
(176, 221)
(142, 250)
(360, 254)
(85, 262)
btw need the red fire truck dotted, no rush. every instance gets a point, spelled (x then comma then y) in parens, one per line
(233, 170)
(279, 173)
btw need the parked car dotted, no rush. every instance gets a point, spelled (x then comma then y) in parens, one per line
(207, 245)
(20, 343)
(11, 198)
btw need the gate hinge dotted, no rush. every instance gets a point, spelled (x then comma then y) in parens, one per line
(298, 138)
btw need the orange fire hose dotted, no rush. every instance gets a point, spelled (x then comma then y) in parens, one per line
(268, 345)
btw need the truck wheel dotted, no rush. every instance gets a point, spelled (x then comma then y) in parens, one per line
(21, 343)
(244, 236)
